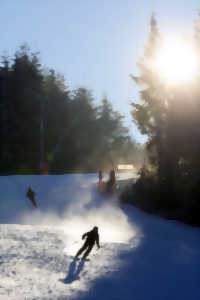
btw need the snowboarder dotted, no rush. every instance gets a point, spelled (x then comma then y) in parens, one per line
(92, 237)
(31, 195)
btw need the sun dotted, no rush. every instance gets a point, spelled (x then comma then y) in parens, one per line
(176, 61)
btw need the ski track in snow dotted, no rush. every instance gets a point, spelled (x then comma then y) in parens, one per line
(157, 260)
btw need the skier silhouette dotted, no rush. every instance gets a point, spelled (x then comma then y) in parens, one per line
(101, 183)
(92, 237)
(31, 195)
(111, 183)
(100, 176)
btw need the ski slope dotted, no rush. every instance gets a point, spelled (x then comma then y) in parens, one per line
(141, 256)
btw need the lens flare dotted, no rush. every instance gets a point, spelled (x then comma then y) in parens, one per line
(176, 61)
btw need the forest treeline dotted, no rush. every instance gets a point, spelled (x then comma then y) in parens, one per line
(169, 182)
(44, 124)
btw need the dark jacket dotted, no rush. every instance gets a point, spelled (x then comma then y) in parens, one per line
(92, 237)
(31, 195)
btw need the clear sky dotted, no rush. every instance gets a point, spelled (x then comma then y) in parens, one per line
(93, 43)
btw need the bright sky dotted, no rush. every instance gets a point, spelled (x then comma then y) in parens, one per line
(95, 44)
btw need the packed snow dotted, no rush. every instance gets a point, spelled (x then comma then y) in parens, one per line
(141, 256)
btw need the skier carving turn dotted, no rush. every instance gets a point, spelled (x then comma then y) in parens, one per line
(92, 237)
(31, 195)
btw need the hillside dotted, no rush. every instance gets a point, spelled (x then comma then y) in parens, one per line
(141, 256)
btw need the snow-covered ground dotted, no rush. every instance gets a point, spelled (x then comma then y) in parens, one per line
(141, 256)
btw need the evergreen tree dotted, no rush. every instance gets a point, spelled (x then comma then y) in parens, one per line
(5, 121)
(112, 135)
(43, 122)
(151, 115)
(25, 84)
(159, 117)
(56, 118)
(169, 116)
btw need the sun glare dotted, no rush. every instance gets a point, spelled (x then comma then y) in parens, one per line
(177, 61)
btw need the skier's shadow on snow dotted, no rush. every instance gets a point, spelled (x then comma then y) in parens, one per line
(74, 271)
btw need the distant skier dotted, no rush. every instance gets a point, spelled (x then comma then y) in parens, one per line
(92, 237)
(100, 176)
(31, 195)
(111, 183)
(101, 183)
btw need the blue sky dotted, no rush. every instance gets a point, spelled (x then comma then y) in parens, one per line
(93, 43)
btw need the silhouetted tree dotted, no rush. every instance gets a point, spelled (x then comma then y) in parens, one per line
(42, 122)
(169, 116)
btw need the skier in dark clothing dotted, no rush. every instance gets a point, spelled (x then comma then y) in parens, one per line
(100, 176)
(111, 183)
(92, 237)
(31, 195)
(101, 184)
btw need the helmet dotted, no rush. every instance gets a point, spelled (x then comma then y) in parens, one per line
(95, 228)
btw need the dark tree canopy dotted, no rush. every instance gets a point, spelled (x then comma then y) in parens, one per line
(44, 123)
(170, 117)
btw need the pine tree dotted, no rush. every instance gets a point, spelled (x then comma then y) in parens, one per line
(150, 116)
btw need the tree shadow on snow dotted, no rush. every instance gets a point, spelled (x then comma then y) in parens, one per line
(74, 271)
